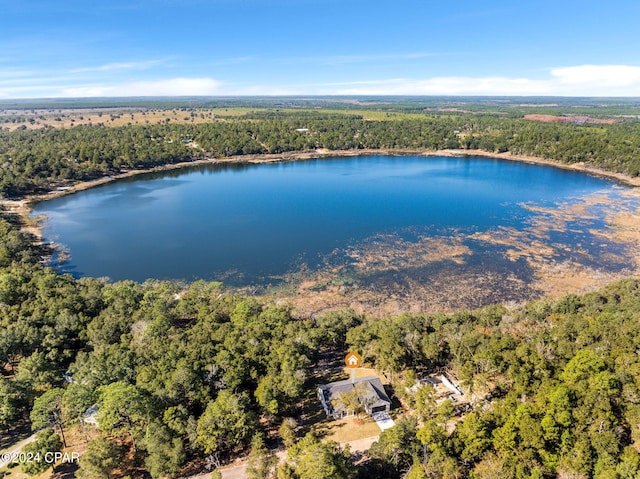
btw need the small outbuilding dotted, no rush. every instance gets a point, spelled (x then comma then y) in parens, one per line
(90, 416)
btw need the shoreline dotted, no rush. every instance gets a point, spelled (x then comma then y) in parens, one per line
(551, 279)
(23, 207)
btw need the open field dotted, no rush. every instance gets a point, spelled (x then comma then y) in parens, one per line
(118, 116)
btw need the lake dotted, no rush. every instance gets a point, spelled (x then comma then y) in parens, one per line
(347, 222)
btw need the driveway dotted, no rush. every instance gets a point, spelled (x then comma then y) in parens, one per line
(7, 455)
(239, 471)
(383, 420)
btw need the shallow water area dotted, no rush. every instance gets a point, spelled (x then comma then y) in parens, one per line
(374, 232)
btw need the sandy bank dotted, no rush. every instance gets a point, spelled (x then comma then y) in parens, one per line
(324, 153)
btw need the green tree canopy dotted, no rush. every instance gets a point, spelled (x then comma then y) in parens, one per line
(226, 424)
(311, 459)
(100, 459)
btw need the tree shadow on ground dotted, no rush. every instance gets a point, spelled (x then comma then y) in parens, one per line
(15, 435)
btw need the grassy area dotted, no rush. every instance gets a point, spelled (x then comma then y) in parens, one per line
(114, 117)
(346, 430)
(364, 372)
(374, 115)
(313, 415)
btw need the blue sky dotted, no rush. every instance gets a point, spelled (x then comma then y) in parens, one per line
(53, 48)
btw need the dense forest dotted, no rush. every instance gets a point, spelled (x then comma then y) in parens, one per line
(33, 161)
(185, 373)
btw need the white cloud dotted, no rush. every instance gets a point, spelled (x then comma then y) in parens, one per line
(613, 76)
(169, 87)
(581, 80)
(119, 66)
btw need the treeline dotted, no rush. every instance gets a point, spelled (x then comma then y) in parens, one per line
(193, 373)
(39, 160)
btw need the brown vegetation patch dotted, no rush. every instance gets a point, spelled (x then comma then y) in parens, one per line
(624, 227)
(555, 278)
(382, 275)
(392, 253)
(107, 116)
(578, 119)
(424, 288)
(390, 275)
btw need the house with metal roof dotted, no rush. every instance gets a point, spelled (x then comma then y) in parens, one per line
(344, 398)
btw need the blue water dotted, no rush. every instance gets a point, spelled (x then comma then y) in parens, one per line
(251, 224)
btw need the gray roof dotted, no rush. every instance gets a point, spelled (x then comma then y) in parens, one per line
(371, 388)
